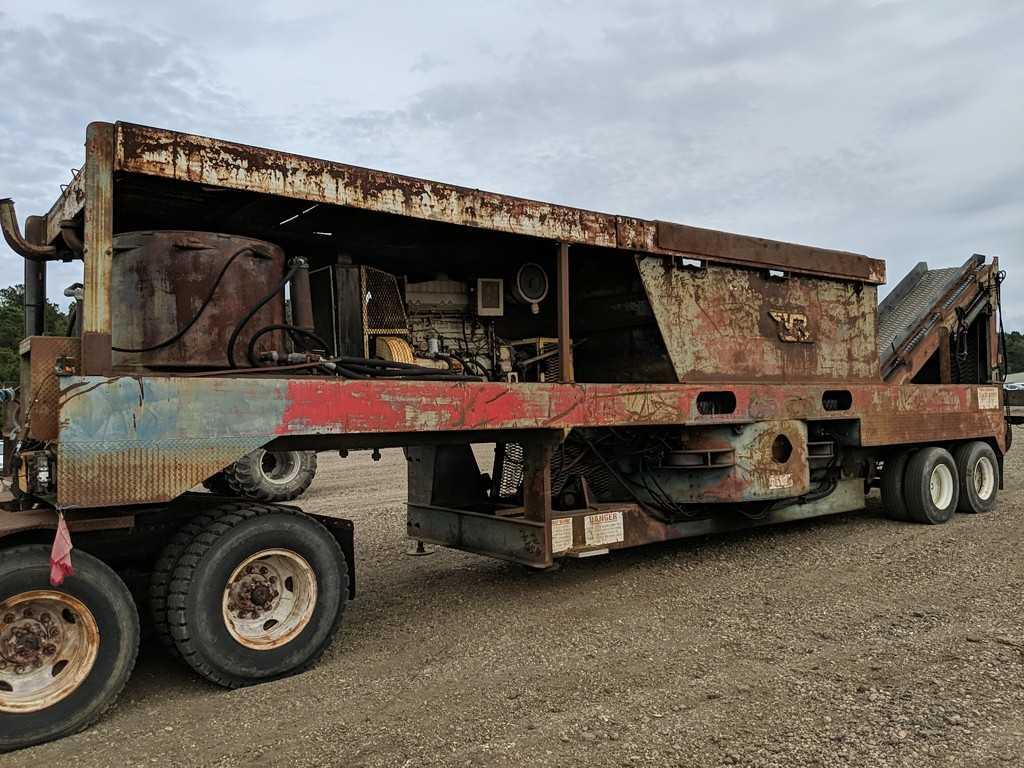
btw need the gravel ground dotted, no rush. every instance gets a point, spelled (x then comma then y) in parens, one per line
(849, 641)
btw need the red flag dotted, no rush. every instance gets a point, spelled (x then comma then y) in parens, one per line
(60, 555)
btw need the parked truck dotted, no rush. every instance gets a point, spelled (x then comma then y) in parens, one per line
(641, 381)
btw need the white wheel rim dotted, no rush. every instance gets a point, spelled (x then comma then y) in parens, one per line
(48, 645)
(269, 599)
(984, 478)
(279, 467)
(940, 485)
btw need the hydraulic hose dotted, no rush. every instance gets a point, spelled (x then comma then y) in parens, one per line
(295, 332)
(252, 313)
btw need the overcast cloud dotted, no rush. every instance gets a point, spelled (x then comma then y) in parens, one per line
(894, 129)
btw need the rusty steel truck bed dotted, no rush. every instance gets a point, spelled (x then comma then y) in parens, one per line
(244, 308)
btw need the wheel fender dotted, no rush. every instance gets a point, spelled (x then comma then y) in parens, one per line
(343, 532)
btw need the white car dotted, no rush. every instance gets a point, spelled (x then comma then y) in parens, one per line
(1014, 386)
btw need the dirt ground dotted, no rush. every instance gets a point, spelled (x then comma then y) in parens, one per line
(850, 641)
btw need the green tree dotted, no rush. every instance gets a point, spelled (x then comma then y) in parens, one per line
(12, 329)
(1014, 351)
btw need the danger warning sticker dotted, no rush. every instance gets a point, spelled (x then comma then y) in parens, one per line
(603, 528)
(561, 534)
(988, 398)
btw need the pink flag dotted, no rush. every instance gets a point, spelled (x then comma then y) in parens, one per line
(60, 555)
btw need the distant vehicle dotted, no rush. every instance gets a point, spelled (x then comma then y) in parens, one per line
(1014, 386)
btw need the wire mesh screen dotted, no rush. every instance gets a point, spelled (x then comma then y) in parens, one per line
(551, 366)
(570, 461)
(383, 309)
(509, 461)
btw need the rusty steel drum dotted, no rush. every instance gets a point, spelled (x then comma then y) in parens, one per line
(160, 282)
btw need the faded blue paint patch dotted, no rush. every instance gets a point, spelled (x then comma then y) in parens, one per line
(151, 410)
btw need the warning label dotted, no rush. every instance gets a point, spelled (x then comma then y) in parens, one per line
(780, 481)
(603, 528)
(561, 534)
(988, 398)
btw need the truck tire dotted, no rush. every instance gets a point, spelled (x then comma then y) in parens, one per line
(978, 470)
(258, 595)
(218, 485)
(65, 652)
(272, 475)
(160, 579)
(892, 486)
(931, 486)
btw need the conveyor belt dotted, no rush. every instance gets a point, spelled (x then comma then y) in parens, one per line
(916, 306)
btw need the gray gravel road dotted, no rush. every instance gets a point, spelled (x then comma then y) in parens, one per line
(851, 641)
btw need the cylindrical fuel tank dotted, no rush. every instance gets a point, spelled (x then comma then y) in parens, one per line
(160, 282)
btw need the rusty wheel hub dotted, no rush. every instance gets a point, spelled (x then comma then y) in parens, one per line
(269, 599)
(48, 645)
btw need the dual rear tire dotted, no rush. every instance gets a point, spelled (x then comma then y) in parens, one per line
(929, 484)
(249, 593)
(243, 593)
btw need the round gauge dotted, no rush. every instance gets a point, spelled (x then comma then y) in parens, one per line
(531, 284)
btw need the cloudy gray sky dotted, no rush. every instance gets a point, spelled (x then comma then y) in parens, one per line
(894, 129)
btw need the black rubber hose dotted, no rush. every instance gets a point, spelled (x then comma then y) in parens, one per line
(197, 315)
(252, 312)
(295, 332)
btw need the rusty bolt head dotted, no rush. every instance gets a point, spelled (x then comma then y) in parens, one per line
(248, 569)
(264, 570)
(20, 669)
(8, 618)
(273, 579)
(27, 613)
(54, 632)
(45, 619)
(49, 649)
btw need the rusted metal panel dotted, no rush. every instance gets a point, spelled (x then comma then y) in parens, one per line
(514, 538)
(202, 160)
(764, 468)
(68, 206)
(40, 385)
(149, 439)
(764, 253)
(639, 527)
(211, 162)
(162, 281)
(99, 247)
(723, 323)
